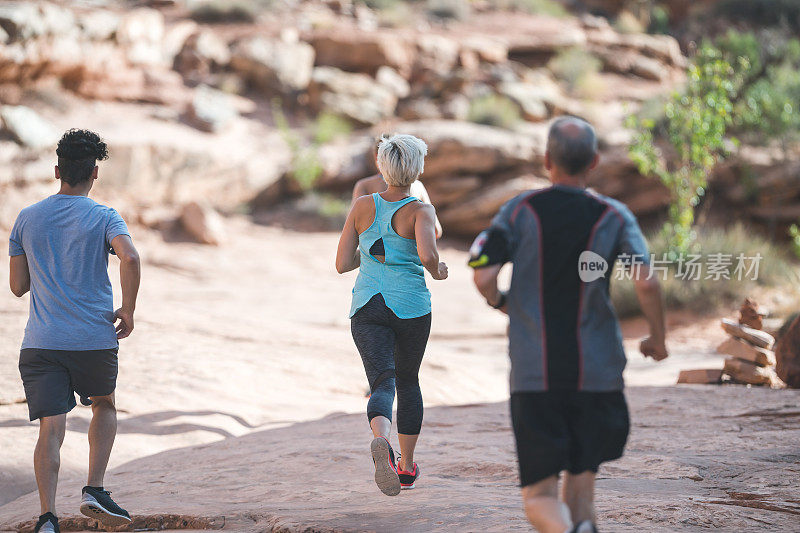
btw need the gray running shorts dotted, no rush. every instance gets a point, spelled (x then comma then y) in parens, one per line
(52, 378)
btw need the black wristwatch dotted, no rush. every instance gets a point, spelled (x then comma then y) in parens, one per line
(501, 302)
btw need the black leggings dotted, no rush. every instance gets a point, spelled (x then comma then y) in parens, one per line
(391, 349)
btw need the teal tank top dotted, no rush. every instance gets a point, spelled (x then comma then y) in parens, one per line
(401, 279)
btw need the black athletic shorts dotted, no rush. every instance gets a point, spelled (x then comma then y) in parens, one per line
(567, 430)
(52, 377)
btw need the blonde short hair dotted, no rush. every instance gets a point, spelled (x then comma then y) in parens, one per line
(401, 159)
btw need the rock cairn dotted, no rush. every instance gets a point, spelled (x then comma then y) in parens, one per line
(750, 359)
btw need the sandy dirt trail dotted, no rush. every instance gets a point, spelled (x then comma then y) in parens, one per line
(241, 399)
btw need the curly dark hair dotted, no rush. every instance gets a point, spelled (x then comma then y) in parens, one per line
(78, 152)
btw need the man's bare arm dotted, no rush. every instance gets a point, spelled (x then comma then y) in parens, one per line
(648, 292)
(19, 275)
(425, 198)
(485, 279)
(358, 190)
(368, 185)
(130, 272)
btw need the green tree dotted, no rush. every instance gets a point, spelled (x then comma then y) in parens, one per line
(695, 128)
(767, 108)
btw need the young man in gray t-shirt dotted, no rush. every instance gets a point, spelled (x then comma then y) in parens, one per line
(59, 251)
(567, 406)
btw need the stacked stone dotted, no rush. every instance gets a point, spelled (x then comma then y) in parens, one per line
(750, 360)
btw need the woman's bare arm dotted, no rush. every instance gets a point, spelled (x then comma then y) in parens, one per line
(425, 233)
(347, 256)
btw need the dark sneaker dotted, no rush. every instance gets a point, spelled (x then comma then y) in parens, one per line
(97, 503)
(48, 523)
(385, 467)
(585, 527)
(407, 479)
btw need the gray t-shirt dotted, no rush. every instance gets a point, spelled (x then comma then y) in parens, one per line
(563, 331)
(66, 241)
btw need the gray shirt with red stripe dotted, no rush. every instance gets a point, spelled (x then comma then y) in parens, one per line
(563, 331)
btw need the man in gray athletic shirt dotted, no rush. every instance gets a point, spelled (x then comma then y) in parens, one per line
(567, 405)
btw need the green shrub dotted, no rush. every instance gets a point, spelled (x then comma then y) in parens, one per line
(762, 12)
(494, 110)
(578, 69)
(534, 7)
(335, 207)
(381, 5)
(775, 270)
(735, 46)
(330, 126)
(318, 211)
(768, 107)
(794, 233)
(305, 167)
(223, 12)
(659, 20)
(449, 9)
(397, 15)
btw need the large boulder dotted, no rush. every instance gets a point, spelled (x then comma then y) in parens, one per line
(487, 49)
(419, 109)
(787, 353)
(98, 24)
(210, 110)
(274, 65)
(355, 96)
(446, 191)
(392, 80)
(456, 147)
(531, 100)
(28, 127)
(631, 63)
(472, 214)
(617, 176)
(202, 223)
(436, 55)
(140, 33)
(533, 42)
(106, 75)
(345, 162)
(175, 37)
(359, 51)
(23, 21)
(663, 48)
(201, 53)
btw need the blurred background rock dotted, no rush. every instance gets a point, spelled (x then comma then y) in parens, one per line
(268, 108)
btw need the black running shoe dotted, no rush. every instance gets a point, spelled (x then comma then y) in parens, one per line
(48, 523)
(407, 479)
(97, 503)
(385, 467)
